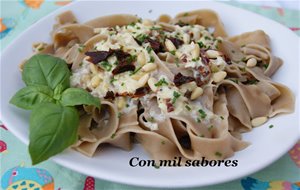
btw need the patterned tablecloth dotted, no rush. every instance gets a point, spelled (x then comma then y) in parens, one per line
(18, 15)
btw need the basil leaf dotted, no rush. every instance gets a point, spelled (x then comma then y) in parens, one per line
(30, 96)
(46, 70)
(78, 96)
(53, 128)
(57, 92)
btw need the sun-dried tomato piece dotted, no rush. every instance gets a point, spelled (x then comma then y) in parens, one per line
(121, 55)
(98, 56)
(204, 71)
(227, 60)
(204, 58)
(123, 67)
(199, 81)
(203, 75)
(109, 95)
(155, 45)
(188, 94)
(142, 91)
(177, 42)
(180, 79)
(169, 105)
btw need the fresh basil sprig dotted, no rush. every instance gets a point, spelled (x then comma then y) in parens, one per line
(54, 120)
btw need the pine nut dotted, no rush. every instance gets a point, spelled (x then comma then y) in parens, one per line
(147, 22)
(195, 51)
(121, 103)
(93, 68)
(141, 59)
(95, 81)
(85, 78)
(186, 38)
(138, 75)
(143, 80)
(219, 76)
(97, 30)
(258, 121)
(197, 92)
(149, 67)
(37, 47)
(151, 82)
(169, 45)
(178, 54)
(251, 62)
(188, 86)
(212, 54)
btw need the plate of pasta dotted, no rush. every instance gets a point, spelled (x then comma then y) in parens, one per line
(151, 95)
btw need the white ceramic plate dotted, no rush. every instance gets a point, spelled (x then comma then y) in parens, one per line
(111, 163)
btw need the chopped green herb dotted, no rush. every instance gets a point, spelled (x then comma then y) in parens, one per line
(271, 126)
(149, 49)
(234, 80)
(151, 119)
(185, 14)
(156, 166)
(127, 105)
(207, 38)
(138, 28)
(113, 136)
(135, 71)
(177, 61)
(105, 65)
(242, 69)
(80, 48)
(244, 59)
(188, 107)
(265, 66)
(161, 82)
(131, 59)
(41, 48)
(210, 127)
(243, 45)
(122, 84)
(218, 154)
(163, 142)
(222, 117)
(202, 113)
(181, 23)
(113, 80)
(141, 37)
(176, 95)
(155, 28)
(152, 59)
(132, 24)
(198, 120)
(252, 81)
(196, 59)
(116, 62)
(201, 44)
(173, 52)
(119, 114)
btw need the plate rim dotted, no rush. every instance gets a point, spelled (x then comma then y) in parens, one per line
(63, 163)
